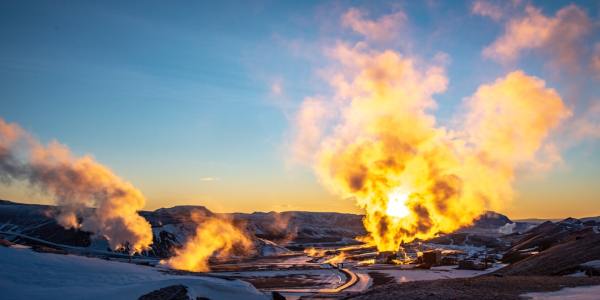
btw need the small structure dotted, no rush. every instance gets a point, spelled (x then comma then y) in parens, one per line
(432, 257)
(386, 257)
(471, 264)
(450, 260)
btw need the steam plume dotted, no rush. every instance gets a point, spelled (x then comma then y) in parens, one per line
(213, 236)
(414, 178)
(76, 182)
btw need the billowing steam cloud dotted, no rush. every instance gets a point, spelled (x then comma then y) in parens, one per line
(213, 236)
(76, 183)
(414, 178)
(559, 37)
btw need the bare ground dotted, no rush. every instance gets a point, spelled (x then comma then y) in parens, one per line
(381, 279)
(484, 287)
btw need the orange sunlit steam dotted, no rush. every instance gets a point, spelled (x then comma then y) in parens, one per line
(337, 259)
(314, 252)
(76, 183)
(213, 237)
(413, 177)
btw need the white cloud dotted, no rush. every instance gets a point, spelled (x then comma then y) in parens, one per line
(560, 37)
(210, 179)
(382, 29)
(487, 9)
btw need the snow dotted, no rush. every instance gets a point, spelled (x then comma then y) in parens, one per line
(579, 293)
(468, 249)
(328, 277)
(296, 259)
(332, 274)
(25, 274)
(578, 274)
(268, 248)
(508, 228)
(443, 272)
(592, 264)
(596, 229)
(178, 231)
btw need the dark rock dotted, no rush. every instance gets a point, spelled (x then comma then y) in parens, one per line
(173, 292)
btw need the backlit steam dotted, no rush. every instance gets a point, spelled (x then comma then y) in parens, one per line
(213, 236)
(76, 182)
(314, 252)
(414, 178)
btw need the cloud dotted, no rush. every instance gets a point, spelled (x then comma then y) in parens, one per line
(210, 179)
(595, 64)
(382, 29)
(587, 126)
(559, 37)
(308, 124)
(277, 88)
(487, 9)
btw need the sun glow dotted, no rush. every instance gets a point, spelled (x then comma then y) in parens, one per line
(396, 206)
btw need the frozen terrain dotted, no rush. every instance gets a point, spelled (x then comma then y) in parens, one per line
(26, 274)
(443, 272)
(579, 293)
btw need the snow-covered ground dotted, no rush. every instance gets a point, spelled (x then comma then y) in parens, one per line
(579, 293)
(25, 274)
(592, 264)
(443, 272)
(331, 275)
(318, 279)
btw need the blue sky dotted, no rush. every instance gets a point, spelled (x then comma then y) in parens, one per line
(177, 97)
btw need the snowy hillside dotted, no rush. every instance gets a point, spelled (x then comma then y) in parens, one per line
(30, 275)
(34, 224)
(298, 227)
(271, 232)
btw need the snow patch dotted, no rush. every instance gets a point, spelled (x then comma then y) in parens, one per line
(508, 228)
(592, 264)
(442, 272)
(30, 275)
(579, 293)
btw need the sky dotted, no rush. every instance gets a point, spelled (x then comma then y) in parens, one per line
(194, 102)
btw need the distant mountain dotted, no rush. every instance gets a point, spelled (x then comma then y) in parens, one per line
(172, 226)
(35, 225)
(542, 220)
(175, 215)
(591, 219)
(298, 227)
(492, 220)
(486, 231)
(272, 232)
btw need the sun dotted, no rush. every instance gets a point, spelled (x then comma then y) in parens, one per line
(396, 205)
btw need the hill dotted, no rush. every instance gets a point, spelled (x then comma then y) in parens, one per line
(553, 248)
